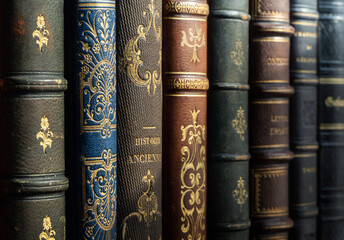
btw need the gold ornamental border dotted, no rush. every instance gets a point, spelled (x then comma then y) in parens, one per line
(187, 8)
(188, 83)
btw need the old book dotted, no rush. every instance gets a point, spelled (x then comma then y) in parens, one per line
(32, 179)
(303, 119)
(228, 161)
(139, 78)
(269, 118)
(184, 119)
(92, 124)
(331, 119)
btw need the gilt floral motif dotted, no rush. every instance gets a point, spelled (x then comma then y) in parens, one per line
(41, 33)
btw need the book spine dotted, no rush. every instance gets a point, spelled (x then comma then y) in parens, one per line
(269, 118)
(139, 52)
(303, 123)
(228, 161)
(331, 119)
(32, 180)
(95, 68)
(184, 119)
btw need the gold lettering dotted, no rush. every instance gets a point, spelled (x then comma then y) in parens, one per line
(305, 34)
(306, 60)
(279, 118)
(278, 61)
(306, 170)
(145, 158)
(332, 102)
(279, 131)
(147, 141)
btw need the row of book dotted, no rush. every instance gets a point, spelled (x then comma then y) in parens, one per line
(143, 146)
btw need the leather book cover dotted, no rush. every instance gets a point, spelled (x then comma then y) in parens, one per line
(184, 119)
(92, 124)
(269, 119)
(139, 111)
(228, 157)
(303, 119)
(32, 149)
(331, 119)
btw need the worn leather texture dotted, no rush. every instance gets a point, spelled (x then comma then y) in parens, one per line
(228, 157)
(184, 119)
(303, 122)
(331, 119)
(32, 181)
(139, 78)
(269, 119)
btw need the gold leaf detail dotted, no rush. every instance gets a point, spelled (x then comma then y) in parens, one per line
(193, 179)
(197, 41)
(238, 54)
(133, 61)
(240, 194)
(41, 32)
(48, 233)
(45, 134)
(147, 206)
(239, 123)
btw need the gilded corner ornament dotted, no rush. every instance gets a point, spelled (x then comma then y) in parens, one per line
(240, 194)
(48, 233)
(239, 123)
(193, 179)
(41, 32)
(238, 54)
(197, 40)
(132, 60)
(45, 134)
(147, 207)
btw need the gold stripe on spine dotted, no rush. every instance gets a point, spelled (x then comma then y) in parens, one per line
(332, 126)
(304, 24)
(305, 80)
(242, 157)
(187, 8)
(306, 147)
(184, 18)
(304, 71)
(186, 73)
(271, 146)
(281, 237)
(278, 90)
(185, 95)
(290, 31)
(304, 204)
(271, 81)
(271, 102)
(332, 81)
(259, 13)
(305, 155)
(97, 5)
(193, 178)
(188, 83)
(257, 176)
(305, 14)
(271, 39)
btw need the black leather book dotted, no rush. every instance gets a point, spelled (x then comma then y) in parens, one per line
(303, 119)
(228, 179)
(32, 180)
(331, 119)
(139, 81)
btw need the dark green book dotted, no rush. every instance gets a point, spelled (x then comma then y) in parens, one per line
(303, 119)
(331, 119)
(228, 180)
(32, 85)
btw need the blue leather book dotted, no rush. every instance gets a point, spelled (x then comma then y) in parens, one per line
(93, 95)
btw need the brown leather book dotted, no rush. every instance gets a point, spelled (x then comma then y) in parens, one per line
(184, 119)
(269, 118)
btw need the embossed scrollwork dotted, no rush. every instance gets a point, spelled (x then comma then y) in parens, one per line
(193, 179)
(132, 59)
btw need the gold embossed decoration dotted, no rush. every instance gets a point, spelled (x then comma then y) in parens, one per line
(187, 7)
(41, 32)
(197, 40)
(97, 72)
(240, 194)
(100, 199)
(48, 233)
(239, 123)
(238, 54)
(133, 61)
(45, 134)
(193, 179)
(147, 207)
